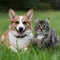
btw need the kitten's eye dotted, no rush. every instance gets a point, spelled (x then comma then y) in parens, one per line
(17, 22)
(44, 25)
(38, 25)
(24, 22)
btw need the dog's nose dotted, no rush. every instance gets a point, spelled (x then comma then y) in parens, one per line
(20, 28)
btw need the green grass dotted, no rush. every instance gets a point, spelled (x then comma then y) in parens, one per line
(32, 53)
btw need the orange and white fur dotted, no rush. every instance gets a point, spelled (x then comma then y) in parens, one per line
(19, 34)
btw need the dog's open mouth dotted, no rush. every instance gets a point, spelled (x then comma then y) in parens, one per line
(20, 32)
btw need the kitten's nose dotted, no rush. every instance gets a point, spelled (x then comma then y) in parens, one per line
(41, 29)
(20, 28)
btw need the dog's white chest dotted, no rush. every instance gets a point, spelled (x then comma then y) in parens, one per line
(40, 37)
(20, 42)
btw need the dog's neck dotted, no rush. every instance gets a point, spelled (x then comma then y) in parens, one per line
(21, 36)
(21, 42)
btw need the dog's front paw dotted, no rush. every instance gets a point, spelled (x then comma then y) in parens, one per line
(13, 49)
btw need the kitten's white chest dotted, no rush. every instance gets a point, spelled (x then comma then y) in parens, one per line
(40, 37)
(20, 42)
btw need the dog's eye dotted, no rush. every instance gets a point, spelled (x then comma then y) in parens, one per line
(24, 22)
(17, 22)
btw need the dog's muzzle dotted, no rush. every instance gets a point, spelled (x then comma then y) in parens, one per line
(21, 30)
(20, 33)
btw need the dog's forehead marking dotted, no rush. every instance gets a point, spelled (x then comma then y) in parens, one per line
(20, 23)
(20, 18)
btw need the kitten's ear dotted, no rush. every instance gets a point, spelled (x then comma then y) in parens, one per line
(48, 20)
(36, 20)
(30, 13)
(11, 14)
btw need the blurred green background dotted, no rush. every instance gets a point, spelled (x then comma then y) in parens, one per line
(27, 4)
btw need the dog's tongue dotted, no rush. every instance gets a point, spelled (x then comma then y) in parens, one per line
(20, 33)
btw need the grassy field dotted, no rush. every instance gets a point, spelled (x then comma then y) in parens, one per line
(32, 53)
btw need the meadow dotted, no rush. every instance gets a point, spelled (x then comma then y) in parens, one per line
(33, 53)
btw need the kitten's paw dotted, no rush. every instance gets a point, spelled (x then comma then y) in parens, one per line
(13, 49)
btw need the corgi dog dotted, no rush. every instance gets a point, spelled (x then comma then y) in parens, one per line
(19, 34)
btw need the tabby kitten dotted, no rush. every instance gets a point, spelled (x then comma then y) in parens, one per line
(44, 35)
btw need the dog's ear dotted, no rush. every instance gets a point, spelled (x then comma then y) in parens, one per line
(29, 14)
(11, 14)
